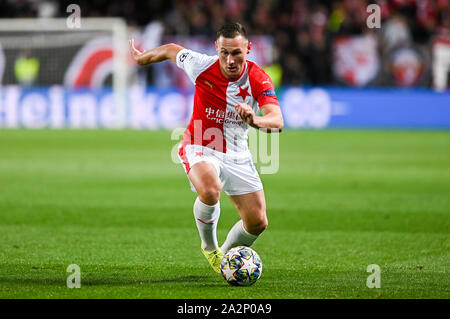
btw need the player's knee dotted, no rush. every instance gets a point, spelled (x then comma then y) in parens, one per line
(258, 225)
(210, 195)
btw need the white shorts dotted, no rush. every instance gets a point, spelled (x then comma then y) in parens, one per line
(238, 175)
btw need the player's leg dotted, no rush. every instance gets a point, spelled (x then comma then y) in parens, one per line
(203, 175)
(252, 209)
(205, 179)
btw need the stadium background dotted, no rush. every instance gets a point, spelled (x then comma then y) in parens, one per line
(364, 163)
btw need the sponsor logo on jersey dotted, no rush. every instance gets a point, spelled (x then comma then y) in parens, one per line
(215, 114)
(218, 116)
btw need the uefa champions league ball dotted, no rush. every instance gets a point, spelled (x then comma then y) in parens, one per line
(241, 266)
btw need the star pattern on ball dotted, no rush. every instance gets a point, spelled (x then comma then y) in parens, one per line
(228, 272)
(248, 264)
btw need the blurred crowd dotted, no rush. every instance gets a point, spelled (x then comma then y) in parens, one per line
(303, 30)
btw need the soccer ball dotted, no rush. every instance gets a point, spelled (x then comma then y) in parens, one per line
(241, 266)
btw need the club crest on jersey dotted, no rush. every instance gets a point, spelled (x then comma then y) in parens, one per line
(243, 93)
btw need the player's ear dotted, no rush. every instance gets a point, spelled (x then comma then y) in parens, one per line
(249, 47)
(217, 48)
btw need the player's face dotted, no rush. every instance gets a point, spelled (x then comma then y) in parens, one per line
(232, 55)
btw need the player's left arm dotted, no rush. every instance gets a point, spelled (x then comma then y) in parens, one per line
(271, 119)
(164, 52)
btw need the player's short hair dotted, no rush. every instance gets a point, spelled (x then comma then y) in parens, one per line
(231, 30)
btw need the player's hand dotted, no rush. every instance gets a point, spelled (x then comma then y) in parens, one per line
(135, 53)
(246, 113)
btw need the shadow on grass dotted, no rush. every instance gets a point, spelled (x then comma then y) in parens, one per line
(201, 281)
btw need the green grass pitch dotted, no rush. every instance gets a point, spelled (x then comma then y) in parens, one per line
(113, 203)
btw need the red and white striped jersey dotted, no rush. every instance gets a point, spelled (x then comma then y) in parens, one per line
(215, 122)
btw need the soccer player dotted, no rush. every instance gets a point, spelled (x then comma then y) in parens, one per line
(229, 92)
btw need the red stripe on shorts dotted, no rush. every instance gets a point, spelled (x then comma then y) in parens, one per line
(182, 154)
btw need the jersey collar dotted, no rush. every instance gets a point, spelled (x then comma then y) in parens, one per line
(233, 80)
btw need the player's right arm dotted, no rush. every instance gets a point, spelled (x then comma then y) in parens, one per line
(159, 54)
